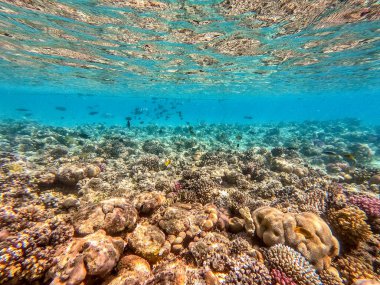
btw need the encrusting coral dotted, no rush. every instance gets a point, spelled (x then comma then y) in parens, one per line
(305, 232)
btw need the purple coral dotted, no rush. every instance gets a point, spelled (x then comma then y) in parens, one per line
(281, 278)
(370, 205)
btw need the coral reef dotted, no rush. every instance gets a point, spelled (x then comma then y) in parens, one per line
(292, 265)
(306, 232)
(350, 224)
(94, 255)
(113, 215)
(181, 205)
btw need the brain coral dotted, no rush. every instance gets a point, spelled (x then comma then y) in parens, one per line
(305, 232)
(350, 224)
(292, 264)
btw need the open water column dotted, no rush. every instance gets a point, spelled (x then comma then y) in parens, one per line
(190, 142)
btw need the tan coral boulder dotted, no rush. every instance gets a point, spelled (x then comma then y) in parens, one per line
(305, 232)
(96, 255)
(148, 241)
(113, 215)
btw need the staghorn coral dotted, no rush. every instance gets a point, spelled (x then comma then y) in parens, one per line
(292, 264)
(306, 232)
(353, 269)
(350, 224)
(247, 270)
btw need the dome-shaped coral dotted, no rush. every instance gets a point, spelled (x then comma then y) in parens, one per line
(350, 224)
(292, 264)
(370, 205)
(247, 270)
(306, 232)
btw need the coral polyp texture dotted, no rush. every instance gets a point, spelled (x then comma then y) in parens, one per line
(291, 266)
(350, 224)
(100, 205)
(306, 232)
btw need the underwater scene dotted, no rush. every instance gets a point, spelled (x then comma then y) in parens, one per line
(190, 142)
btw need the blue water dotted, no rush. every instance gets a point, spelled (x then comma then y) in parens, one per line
(101, 60)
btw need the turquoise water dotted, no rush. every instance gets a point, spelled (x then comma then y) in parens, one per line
(216, 61)
(190, 142)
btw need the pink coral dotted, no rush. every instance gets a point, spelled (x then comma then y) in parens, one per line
(281, 278)
(370, 205)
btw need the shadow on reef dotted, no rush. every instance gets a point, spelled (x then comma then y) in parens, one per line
(156, 205)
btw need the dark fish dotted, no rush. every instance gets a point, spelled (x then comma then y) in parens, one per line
(248, 117)
(141, 122)
(22, 110)
(329, 152)
(239, 137)
(237, 145)
(349, 156)
(60, 108)
(28, 114)
(191, 130)
(93, 113)
(292, 148)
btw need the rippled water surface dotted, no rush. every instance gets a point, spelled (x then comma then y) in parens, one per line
(194, 47)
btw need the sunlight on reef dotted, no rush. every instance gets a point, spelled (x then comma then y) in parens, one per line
(209, 204)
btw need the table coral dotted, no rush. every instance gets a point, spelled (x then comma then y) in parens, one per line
(306, 232)
(292, 264)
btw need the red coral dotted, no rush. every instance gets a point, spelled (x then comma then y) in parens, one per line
(370, 205)
(280, 278)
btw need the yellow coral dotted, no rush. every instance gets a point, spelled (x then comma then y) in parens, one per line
(350, 224)
(352, 269)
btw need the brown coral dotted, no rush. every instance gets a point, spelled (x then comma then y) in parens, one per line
(353, 269)
(113, 215)
(350, 224)
(306, 232)
(95, 255)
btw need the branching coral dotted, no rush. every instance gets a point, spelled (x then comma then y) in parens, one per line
(292, 264)
(350, 224)
(353, 269)
(370, 205)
